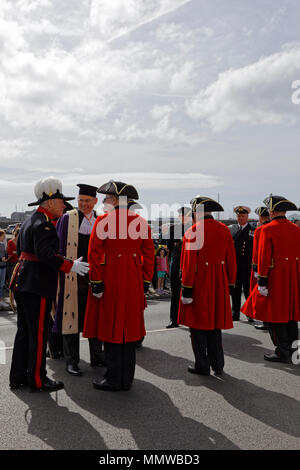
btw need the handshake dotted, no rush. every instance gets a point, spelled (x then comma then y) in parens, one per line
(80, 267)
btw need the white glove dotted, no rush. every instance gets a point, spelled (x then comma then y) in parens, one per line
(256, 275)
(98, 295)
(263, 291)
(80, 267)
(186, 300)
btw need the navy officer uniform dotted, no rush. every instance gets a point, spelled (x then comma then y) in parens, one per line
(174, 244)
(243, 235)
(34, 282)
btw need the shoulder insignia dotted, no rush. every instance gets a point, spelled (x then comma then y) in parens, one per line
(47, 228)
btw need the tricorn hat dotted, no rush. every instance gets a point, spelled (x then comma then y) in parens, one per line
(242, 210)
(209, 205)
(185, 211)
(87, 190)
(117, 188)
(48, 188)
(262, 211)
(131, 204)
(279, 204)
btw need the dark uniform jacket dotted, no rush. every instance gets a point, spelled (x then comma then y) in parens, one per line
(174, 244)
(243, 243)
(37, 247)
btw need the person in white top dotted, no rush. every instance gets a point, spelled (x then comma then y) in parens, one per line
(74, 229)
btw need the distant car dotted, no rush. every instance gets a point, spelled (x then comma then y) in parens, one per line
(11, 228)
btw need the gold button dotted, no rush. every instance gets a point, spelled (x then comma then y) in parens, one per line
(297, 258)
(286, 259)
(223, 262)
(134, 254)
(206, 263)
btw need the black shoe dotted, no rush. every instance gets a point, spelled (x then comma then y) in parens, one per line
(193, 370)
(261, 327)
(99, 363)
(274, 358)
(55, 355)
(49, 386)
(218, 371)
(102, 384)
(236, 318)
(172, 325)
(125, 388)
(17, 385)
(250, 320)
(73, 369)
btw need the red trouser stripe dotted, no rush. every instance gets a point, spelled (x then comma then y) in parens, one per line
(39, 355)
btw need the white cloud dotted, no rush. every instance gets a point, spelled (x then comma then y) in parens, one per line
(158, 112)
(31, 5)
(112, 19)
(15, 149)
(151, 180)
(113, 85)
(259, 93)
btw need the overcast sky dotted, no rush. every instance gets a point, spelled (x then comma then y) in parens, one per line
(178, 97)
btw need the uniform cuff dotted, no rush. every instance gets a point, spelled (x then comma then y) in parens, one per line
(97, 287)
(262, 280)
(187, 292)
(66, 266)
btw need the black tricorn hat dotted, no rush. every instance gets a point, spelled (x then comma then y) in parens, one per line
(48, 188)
(87, 190)
(279, 204)
(117, 188)
(262, 211)
(185, 211)
(209, 205)
(131, 204)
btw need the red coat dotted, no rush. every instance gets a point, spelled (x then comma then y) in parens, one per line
(253, 280)
(122, 264)
(209, 271)
(12, 251)
(278, 265)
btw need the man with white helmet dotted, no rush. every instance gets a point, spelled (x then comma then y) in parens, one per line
(34, 282)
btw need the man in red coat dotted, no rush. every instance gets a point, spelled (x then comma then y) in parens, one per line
(276, 298)
(121, 257)
(208, 265)
(263, 218)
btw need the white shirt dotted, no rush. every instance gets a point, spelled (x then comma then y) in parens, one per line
(87, 223)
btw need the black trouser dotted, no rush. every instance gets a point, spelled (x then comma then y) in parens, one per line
(71, 342)
(176, 289)
(283, 335)
(208, 350)
(55, 341)
(29, 353)
(71, 349)
(120, 361)
(242, 282)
